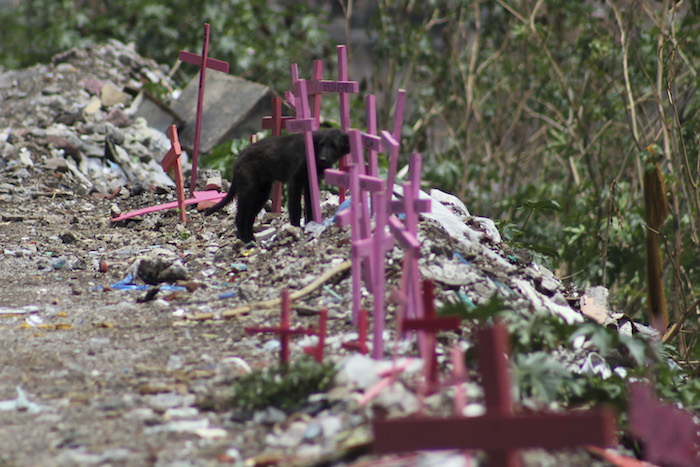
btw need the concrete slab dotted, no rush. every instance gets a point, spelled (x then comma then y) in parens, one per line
(233, 108)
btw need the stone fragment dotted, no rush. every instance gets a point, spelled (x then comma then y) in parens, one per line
(233, 108)
(110, 95)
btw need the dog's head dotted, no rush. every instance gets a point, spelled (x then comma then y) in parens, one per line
(330, 146)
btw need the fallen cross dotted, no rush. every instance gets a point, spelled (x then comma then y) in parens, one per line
(500, 432)
(668, 434)
(203, 62)
(171, 161)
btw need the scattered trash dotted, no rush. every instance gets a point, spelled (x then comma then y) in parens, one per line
(21, 403)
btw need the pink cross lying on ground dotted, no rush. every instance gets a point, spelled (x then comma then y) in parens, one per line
(172, 161)
(500, 432)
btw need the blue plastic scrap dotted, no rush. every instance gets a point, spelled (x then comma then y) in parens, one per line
(128, 284)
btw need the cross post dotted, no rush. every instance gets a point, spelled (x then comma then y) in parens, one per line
(203, 62)
(284, 330)
(500, 432)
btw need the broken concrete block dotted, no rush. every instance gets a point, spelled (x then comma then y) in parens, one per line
(111, 95)
(158, 114)
(233, 108)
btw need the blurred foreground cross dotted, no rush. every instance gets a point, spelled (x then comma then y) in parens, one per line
(500, 432)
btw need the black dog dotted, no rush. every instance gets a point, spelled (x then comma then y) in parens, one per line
(281, 158)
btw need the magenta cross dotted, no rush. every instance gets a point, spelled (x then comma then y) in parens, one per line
(429, 325)
(276, 122)
(500, 431)
(284, 330)
(203, 62)
(668, 434)
(172, 161)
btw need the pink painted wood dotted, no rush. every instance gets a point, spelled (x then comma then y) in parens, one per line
(306, 124)
(359, 345)
(367, 250)
(317, 351)
(276, 122)
(669, 434)
(500, 432)
(199, 196)
(429, 325)
(172, 161)
(203, 62)
(284, 330)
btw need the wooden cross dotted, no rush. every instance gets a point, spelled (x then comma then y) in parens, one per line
(317, 86)
(172, 161)
(500, 432)
(284, 330)
(360, 344)
(317, 351)
(368, 249)
(203, 62)
(406, 234)
(668, 434)
(275, 123)
(430, 325)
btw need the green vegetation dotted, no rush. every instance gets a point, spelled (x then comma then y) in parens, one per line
(286, 387)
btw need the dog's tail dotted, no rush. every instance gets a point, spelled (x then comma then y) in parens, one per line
(224, 201)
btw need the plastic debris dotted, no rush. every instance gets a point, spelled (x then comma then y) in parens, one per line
(21, 403)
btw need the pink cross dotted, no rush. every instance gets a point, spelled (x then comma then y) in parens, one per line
(406, 235)
(276, 122)
(284, 330)
(429, 325)
(203, 62)
(317, 351)
(172, 161)
(500, 432)
(669, 434)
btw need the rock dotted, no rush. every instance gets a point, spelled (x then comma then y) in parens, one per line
(110, 95)
(233, 108)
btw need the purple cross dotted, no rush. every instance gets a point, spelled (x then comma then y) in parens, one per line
(500, 432)
(203, 62)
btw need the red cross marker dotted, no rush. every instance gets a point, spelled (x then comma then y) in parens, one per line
(360, 344)
(276, 122)
(172, 161)
(669, 434)
(284, 330)
(317, 351)
(500, 432)
(203, 62)
(430, 325)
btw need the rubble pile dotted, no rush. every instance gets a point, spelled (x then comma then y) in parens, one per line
(134, 376)
(74, 117)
